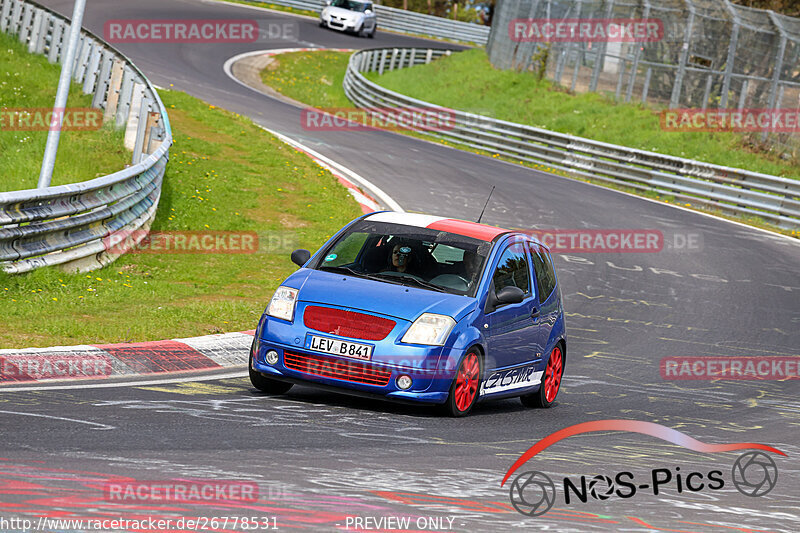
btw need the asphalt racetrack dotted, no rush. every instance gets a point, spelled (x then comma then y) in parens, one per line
(325, 462)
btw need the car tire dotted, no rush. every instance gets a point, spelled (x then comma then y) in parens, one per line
(263, 383)
(322, 24)
(464, 390)
(372, 33)
(545, 397)
(362, 32)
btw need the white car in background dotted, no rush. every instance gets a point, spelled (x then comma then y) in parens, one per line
(356, 16)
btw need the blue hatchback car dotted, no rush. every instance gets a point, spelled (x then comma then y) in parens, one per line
(417, 308)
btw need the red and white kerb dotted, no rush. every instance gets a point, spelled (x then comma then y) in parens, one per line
(459, 227)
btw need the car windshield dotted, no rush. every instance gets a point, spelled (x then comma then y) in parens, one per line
(349, 5)
(419, 257)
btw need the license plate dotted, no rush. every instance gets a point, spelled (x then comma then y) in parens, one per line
(344, 348)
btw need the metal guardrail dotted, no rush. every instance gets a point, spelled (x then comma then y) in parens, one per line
(729, 190)
(75, 225)
(407, 22)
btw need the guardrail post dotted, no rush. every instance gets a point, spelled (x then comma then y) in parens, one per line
(382, 61)
(391, 61)
(114, 86)
(376, 56)
(41, 41)
(80, 59)
(90, 76)
(16, 13)
(56, 39)
(125, 95)
(83, 59)
(154, 132)
(5, 13)
(103, 79)
(142, 115)
(36, 30)
(403, 53)
(135, 105)
(25, 28)
(428, 56)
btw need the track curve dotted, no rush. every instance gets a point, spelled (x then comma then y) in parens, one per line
(320, 458)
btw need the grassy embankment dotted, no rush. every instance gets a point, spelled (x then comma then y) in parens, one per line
(224, 174)
(467, 81)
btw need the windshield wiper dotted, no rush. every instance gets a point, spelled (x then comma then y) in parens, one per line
(402, 279)
(345, 270)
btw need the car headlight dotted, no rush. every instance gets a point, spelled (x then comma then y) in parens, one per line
(283, 303)
(429, 329)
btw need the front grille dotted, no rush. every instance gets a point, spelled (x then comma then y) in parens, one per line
(347, 323)
(337, 369)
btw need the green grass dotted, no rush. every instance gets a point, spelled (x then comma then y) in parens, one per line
(467, 81)
(314, 78)
(29, 81)
(224, 174)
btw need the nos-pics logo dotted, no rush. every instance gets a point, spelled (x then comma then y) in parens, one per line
(533, 493)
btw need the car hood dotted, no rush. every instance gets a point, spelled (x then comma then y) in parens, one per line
(344, 13)
(390, 299)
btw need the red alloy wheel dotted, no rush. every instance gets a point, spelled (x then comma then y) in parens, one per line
(467, 381)
(552, 378)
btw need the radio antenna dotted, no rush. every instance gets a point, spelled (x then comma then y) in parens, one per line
(484, 205)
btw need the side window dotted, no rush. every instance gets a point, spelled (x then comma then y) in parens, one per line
(545, 274)
(512, 269)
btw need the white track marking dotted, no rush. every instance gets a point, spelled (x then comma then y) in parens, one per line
(376, 191)
(387, 200)
(99, 426)
(211, 377)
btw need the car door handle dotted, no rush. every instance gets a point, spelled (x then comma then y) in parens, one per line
(535, 313)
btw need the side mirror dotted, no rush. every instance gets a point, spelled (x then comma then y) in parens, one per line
(328, 2)
(300, 257)
(507, 295)
(368, 12)
(510, 295)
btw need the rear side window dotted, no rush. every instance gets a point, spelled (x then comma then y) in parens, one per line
(512, 269)
(545, 274)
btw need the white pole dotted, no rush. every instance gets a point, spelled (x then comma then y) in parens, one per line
(67, 61)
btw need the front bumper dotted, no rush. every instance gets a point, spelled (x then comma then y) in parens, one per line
(339, 24)
(431, 368)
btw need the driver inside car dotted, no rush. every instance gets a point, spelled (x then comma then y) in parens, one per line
(400, 258)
